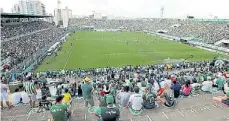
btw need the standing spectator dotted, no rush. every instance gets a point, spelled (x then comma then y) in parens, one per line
(87, 92)
(4, 95)
(31, 90)
(79, 90)
(67, 97)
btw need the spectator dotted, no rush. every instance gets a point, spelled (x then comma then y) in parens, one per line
(166, 96)
(59, 111)
(109, 113)
(4, 95)
(67, 97)
(31, 90)
(207, 85)
(186, 88)
(222, 99)
(136, 100)
(16, 97)
(149, 99)
(176, 87)
(87, 92)
(123, 97)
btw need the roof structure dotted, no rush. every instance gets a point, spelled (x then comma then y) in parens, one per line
(15, 15)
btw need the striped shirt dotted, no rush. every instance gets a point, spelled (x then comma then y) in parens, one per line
(29, 87)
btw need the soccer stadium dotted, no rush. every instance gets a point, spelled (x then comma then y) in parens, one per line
(148, 69)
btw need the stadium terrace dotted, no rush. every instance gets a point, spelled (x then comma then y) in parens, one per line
(110, 70)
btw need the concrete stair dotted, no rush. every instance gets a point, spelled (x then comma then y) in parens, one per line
(199, 108)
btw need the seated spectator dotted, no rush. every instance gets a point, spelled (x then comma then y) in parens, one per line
(176, 87)
(222, 99)
(195, 87)
(135, 101)
(16, 97)
(149, 99)
(220, 82)
(186, 88)
(226, 87)
(25, 97)
(109, 113)
(123, 97)
(59, 111)
(67, 97)
(207, 85)
(166, 97)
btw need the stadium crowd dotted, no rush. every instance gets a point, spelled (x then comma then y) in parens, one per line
(28, 39)
(208, 32)
(133, 87)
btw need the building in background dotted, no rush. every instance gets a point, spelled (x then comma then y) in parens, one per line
(1, 10)
(33, 7)
(61, 16)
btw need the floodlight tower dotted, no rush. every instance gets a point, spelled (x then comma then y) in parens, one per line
(58, 4)
(162, 11)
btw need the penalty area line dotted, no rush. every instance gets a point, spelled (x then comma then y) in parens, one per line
(107, 59)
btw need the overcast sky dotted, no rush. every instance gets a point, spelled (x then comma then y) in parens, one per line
(138, 8)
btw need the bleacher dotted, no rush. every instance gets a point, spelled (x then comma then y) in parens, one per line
(198, 108)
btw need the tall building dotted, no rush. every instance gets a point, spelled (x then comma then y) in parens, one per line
(61, 16)
(33, 7)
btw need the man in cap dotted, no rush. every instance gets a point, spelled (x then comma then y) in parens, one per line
(109, 113)
(149, 98)
(59, 111)
(87, 92)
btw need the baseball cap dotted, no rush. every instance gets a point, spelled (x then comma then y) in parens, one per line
(147, 86)
(87, 79)
(109, 99)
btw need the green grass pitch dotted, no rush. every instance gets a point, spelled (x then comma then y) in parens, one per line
(102, 49)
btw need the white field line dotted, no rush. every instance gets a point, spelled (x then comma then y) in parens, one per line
(107, 59)
(68, 57)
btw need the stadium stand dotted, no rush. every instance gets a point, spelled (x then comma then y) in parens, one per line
(24, 42)
(20, 40)
(205, 31)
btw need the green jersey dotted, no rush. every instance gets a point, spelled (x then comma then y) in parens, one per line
(59, 112)
(220, 83)
(113, 91)
(29, 87)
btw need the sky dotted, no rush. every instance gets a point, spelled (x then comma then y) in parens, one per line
(138, 8)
